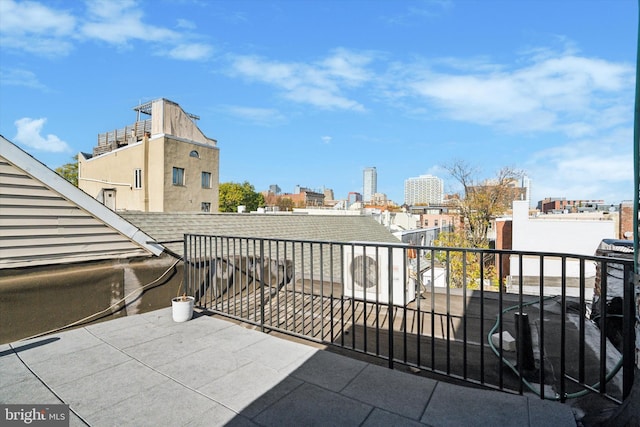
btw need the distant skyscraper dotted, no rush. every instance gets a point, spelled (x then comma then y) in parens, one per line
(423, 189)
(370, 183)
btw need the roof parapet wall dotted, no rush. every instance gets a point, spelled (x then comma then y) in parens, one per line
(166, 118)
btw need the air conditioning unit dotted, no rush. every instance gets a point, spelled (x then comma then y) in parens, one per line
(366, 274)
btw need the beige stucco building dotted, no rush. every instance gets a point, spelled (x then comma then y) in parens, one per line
(161, 164)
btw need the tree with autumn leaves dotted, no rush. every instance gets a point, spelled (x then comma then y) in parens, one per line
(478, 203)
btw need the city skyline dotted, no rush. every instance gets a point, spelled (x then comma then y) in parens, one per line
(408, 86)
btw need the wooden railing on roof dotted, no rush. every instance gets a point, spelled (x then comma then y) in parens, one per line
(109, 141)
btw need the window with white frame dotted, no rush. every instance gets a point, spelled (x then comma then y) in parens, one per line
(206, 179)
(205, 207)
(178, 176)
(137, 178)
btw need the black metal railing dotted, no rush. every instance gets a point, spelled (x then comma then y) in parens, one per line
(558, 325)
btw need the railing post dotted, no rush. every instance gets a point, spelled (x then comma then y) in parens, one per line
(185, 257)
(261, 285)
(390, 305)
(628, 332)
(563, 331)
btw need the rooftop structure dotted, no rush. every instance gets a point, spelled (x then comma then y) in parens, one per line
(161, 164)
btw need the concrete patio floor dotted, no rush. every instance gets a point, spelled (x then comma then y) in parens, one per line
(146, 370)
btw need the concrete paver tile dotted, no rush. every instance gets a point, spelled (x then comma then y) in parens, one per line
(454, 406)
(106, 388)
(31, 390)
(237, 338)
(237, 421)
(167, 404)
(203, 367)
(382, 418)
(78, 364)
(238, 389)
(544, 413)
(313, 405)
(394, 391)
(74, 421)
(160, 351)
(133, 335)
(329, 370)
(116, 324)
(54, 346)
(277, 353)
(12, 370)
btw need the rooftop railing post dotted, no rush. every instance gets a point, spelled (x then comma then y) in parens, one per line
(523, 341)
(390, 305)
(603, 325)
(262, 283)
(541, 329)
(563, 331)
(628, 332)
(185, 257)
(581, 349)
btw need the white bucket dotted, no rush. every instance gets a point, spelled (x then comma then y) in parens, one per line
(182, 308)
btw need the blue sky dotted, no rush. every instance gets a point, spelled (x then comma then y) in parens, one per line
(311, 92)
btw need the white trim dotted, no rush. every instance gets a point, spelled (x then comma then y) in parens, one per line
(124, 147)
(124, 184)
(55, 182)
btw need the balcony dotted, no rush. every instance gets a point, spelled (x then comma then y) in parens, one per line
(145, 369)
(442, 311)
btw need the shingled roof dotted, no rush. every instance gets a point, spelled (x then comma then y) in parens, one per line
(168, 227)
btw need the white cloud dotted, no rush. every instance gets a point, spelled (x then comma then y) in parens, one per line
(35, 28)
(186, 24)
(118, 22)
(567, 93)
(587, 169)
(348, 67)
(19, 77)
(28, 134)
(417, 12)
(320, 84)
(190, 52)
(262, 116)
(326, 139)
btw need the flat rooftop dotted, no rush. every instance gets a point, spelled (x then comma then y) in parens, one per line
(147, 370)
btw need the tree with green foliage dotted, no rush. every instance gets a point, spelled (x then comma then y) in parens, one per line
(69, 171)
(233, 194)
